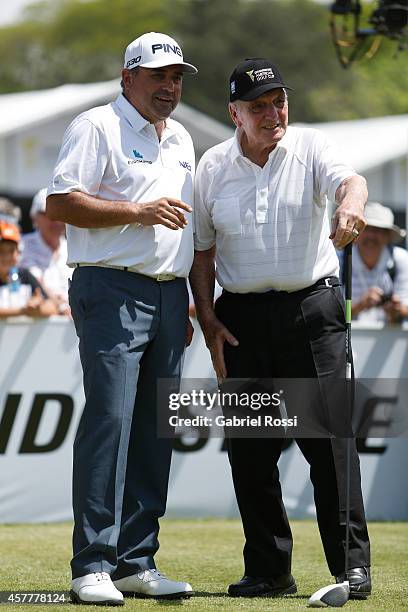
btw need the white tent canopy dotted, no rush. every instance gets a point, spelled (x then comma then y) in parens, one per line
(370, 142)
(32, 124)
(19, 111)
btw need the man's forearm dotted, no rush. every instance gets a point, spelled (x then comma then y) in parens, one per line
(351, 197)
(353, 192)
(83, 210)
(202, 281)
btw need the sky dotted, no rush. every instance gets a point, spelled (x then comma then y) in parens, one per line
(10, 10)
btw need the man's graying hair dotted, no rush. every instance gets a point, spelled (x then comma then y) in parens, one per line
(236, 102)
(133, 71)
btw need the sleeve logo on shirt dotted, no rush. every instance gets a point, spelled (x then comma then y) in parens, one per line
(185, 165)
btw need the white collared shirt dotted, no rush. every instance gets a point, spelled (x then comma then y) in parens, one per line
(270, 224)
(48, 266)
(113, 153)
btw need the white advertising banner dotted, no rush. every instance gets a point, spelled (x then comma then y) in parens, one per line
(41, 401)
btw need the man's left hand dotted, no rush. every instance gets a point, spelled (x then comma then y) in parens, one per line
(347, 225)
(348, 220)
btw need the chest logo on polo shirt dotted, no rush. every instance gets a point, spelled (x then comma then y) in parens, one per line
(185, 165)
(139, 158)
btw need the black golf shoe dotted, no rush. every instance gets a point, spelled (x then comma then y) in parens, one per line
(277, 586)
(359, 580)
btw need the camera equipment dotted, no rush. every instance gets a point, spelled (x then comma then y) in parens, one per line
(352, 42)
(386, 297)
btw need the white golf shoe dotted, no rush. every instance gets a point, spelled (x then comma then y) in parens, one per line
(96, 588)
(151, 583)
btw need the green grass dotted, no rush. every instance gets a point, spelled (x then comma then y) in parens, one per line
(208, 554)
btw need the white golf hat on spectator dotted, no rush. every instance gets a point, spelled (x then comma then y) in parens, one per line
(381, 216)
(38, 203)
(155, 50)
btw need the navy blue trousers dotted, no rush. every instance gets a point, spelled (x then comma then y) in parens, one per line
(292, 335)
(132, 332)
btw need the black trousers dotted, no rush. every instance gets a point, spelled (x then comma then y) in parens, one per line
(292, 335)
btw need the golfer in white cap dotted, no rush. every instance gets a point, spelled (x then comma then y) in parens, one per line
(380, 269)
(123, 184)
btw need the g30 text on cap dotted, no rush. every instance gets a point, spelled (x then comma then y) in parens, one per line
(155, 50)
(254, 77)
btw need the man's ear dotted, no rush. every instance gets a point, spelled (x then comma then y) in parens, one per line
(126, 78)
(234, 114)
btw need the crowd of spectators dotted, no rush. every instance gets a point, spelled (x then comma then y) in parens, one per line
(33, 271)
(380, 269)
(34, 276)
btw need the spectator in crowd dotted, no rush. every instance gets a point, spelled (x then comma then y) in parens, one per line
(45, 253)
(9, 212)
(380, 269)
(20, 291)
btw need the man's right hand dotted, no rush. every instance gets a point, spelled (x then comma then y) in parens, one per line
(165, 211)
(215, 334)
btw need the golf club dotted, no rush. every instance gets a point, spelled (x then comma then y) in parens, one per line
(336, 595)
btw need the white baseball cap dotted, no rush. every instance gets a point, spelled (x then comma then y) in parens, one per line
(155, 50)
(38, 204)
(381, 216)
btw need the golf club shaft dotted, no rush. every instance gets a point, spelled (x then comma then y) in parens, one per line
(347, 279)
(349, 382)
(336, 595)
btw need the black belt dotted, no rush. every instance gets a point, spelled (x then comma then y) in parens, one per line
(329, 281)
(157, 277)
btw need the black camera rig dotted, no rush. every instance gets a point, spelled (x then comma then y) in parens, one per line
(352, 41)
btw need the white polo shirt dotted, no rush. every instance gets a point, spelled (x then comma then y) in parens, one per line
(270, 224)
(113, 153)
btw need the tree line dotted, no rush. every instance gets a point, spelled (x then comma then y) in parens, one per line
(72, 41)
